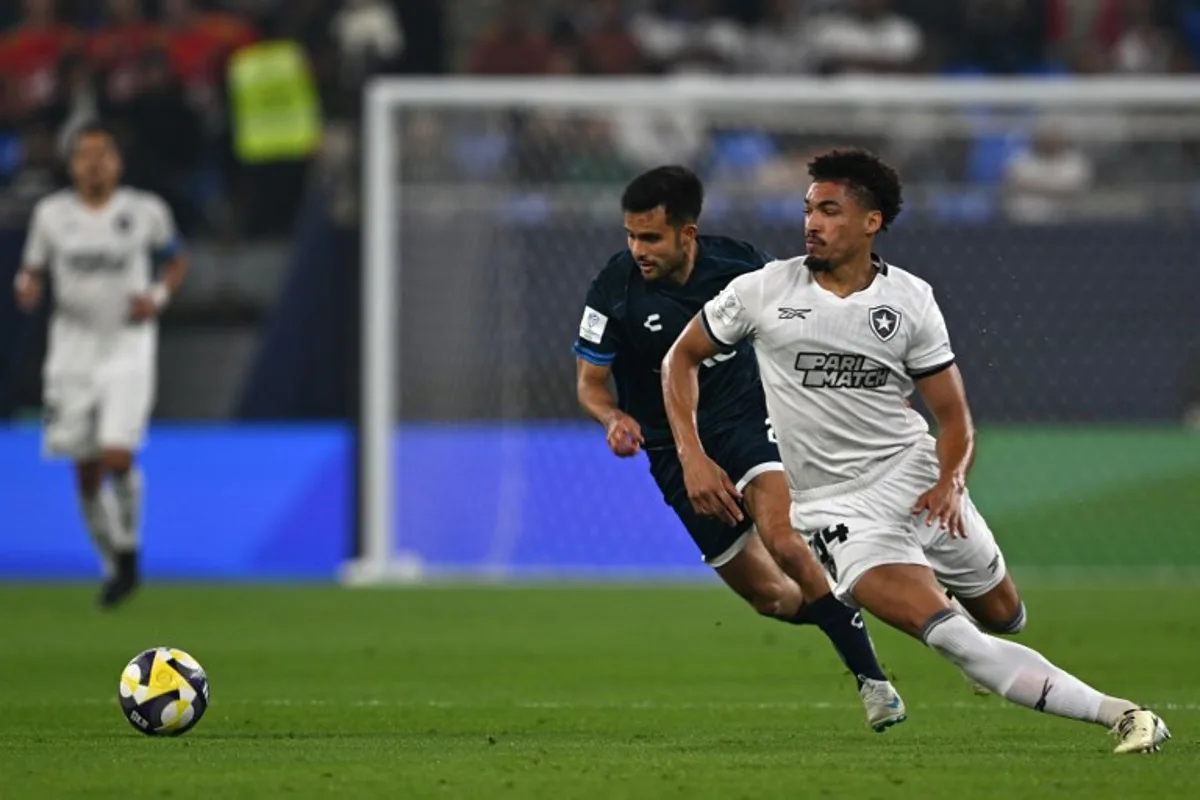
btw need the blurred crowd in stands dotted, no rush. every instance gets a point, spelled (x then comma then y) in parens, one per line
(160, 71)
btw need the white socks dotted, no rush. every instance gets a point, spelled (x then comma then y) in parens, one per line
(100, 517)
(113, 517)
(127, 489)
(1020, 674)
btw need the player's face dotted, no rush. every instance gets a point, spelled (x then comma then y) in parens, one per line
(836, 226)
(660, 249)
(95, 165)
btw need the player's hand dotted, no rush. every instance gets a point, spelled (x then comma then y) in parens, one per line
(28, 289)
(142, 307)
(943, 504)
(711, 491)
(624, 436)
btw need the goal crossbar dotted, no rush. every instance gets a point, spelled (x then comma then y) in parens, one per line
(382, 267)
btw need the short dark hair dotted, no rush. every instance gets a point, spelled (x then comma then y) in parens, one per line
(874, 184)
(675, 188)
(94, 127)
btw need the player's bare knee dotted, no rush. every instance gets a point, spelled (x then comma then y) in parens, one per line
(117, 461)
(778, 600)
(89, 477)
(1000, 610)
(1015, 623)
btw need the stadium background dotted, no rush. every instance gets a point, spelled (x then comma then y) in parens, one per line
(1072, 306)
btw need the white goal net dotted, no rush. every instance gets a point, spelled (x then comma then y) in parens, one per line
(1057, 219)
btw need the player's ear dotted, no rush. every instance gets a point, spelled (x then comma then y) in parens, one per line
(872, 223)
(688, 232)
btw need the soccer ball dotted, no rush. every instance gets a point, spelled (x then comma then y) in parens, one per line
(163, 692)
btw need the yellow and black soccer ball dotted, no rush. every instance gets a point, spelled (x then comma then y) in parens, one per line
(163, 692)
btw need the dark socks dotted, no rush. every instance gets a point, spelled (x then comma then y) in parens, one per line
(847, 631)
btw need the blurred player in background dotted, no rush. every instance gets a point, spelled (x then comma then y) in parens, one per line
(842, 338)
(635, 308)
(100, 244)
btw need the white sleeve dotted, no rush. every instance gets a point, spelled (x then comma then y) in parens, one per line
(929, 349)
(733, 314)
(38, 247)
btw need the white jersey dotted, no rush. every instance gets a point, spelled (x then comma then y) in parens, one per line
(98, 259)
(837, 372)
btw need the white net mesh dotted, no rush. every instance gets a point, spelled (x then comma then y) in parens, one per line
(1059, 236)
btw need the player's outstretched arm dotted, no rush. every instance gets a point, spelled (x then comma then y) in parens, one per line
(709, 488)
(30, 282)
(621, 431)
(946, 399)
(28, 288)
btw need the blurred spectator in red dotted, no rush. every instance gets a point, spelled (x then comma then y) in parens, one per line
(870, 38)
(1083, 32)
(199, 43)
(607, 46)
(116, 49)
(514, 47)
(198, 46)
(30, 54)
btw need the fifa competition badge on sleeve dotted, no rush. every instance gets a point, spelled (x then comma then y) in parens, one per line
(729, 306)
(591, 327)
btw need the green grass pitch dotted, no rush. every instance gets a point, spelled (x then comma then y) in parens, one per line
(635, 692)
(567, 692)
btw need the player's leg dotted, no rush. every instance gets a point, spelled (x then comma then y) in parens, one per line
(70, 431)
(975, 574)
(886, 561)
(748, 569)
(121, 468)
(768, 502)
(124, 409)
(118, 466)
(98, 511)
(749, 454)
(753, 574)
(999, 610)
(909, 598)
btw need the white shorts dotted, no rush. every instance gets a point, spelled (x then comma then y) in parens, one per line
(87, 414)
(870, 526)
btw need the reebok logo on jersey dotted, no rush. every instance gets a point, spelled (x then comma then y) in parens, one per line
(794, 313)
(885, 321)
(591, 327)
(840, 371)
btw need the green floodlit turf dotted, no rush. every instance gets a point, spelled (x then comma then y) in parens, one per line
(560, 692)
(1070, 498)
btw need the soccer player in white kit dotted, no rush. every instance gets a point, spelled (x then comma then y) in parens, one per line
(842, 338)
(100, 244)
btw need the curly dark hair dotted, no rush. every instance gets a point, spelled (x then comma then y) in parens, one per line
(874, 184)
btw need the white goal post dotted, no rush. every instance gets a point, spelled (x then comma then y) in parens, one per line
(381, 543)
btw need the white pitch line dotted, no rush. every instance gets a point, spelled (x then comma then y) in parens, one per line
(982, 704)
